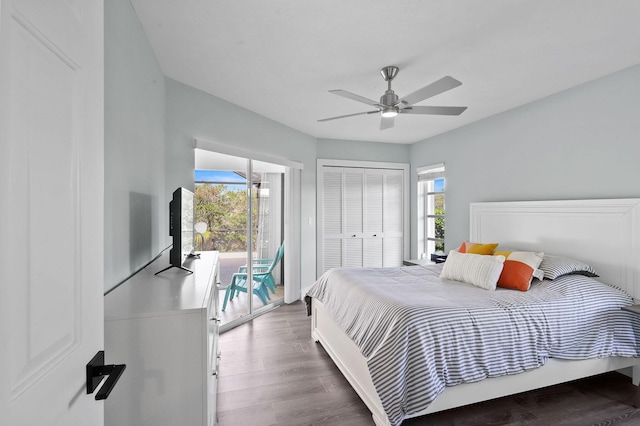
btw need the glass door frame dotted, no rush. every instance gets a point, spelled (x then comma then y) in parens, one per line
(292, 224)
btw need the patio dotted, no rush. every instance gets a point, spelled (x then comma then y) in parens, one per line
(229, 264)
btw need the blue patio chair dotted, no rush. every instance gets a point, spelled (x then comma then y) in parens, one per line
(266, 267)
(263, 280)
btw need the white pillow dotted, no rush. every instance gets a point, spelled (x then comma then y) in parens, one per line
(477, 269)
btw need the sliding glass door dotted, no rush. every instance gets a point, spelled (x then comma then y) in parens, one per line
(240, 204)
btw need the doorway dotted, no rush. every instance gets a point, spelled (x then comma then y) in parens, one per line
(239, 206)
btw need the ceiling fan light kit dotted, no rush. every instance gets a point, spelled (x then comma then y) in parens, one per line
(391, 105)
(389, 112)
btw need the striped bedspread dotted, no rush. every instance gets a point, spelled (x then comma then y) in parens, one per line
(420, 333)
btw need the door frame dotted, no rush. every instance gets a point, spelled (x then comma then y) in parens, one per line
(321, 163)
(291, 211)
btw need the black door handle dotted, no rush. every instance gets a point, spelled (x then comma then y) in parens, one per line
(96, 370)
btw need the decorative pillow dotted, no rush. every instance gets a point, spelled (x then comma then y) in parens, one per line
(476, 248)
(557, 266)
(519, 267)
(539, 273)
(479, 270)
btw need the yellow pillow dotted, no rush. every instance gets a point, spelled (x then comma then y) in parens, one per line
(518, 270)
(476, 248)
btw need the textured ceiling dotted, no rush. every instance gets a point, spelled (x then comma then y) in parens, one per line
(279, 58)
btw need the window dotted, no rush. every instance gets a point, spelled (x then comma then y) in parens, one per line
(431, 207)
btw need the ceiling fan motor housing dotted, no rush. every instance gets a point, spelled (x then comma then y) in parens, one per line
(389, 98)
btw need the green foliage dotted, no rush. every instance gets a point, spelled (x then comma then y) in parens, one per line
(225, 213)
(439, 221)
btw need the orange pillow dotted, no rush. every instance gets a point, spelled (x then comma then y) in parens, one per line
(476, 248)
(518, 269)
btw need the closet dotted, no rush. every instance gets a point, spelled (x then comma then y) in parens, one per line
(361, 214)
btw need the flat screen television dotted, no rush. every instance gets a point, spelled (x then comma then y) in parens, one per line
(180, 229)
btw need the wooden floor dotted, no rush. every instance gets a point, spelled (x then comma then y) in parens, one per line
(272, 373)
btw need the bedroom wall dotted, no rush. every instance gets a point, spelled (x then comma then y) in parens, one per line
(334, 149)
(191, 113)
(135, 210)
(578, 144)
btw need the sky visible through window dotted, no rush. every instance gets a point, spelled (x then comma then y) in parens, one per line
(233, 181)
(438, 185)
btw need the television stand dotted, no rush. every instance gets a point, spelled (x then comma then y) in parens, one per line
(174, 266)
(166, 330)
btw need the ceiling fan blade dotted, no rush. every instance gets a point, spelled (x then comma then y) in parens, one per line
(435, 110)
(348, 115)
(387, 122)
(355, 97)
(435, 88)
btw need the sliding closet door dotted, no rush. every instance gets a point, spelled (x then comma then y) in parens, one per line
(331, 206)
(393, 221)
(373, 218)
(362, 217)
(353, 217)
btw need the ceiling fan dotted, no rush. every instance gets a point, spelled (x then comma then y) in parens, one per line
(391, 105)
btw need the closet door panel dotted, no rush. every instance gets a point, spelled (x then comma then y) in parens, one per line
(353, 202)
(374, 202)
(353, 252)
(393, 200)
(373, 252)
(363, 217)
(392, 248)
(332, 252)
(332, 203)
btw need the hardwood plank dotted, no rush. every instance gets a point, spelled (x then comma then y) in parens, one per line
(308, 369)
(335, 408)
(259, 415)
(276, 392)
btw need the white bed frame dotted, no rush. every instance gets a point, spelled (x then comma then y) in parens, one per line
(603, 233)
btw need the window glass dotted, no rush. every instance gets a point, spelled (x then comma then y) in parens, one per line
(431, 210)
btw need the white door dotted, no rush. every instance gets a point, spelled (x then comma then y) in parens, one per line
(332, 221)
(361, 217)
(51, 209)
(353, 190)
(393, 217)
(373, 218)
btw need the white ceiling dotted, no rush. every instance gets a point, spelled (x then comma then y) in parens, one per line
(279, 58)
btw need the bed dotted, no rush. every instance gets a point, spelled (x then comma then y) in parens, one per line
(601, 233)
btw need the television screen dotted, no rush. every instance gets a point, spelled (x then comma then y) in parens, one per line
(180, 228)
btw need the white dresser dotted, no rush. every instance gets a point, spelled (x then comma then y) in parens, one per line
(165, 329)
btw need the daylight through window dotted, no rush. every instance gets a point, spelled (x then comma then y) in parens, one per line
(431, 208)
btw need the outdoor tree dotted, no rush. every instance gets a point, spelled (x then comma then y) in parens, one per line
(225, 213)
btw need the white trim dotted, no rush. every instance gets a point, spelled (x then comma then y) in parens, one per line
(362, 164)
(292, 232)
(425, 169)
(433, 172)
(321, 163)
(240, 152)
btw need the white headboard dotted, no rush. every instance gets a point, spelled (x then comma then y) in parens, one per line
(602, 233)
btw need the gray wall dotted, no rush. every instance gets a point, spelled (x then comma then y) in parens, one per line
(577, 144)
(333, 149)
(191, 113)
(135, 208)
(581, 143)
